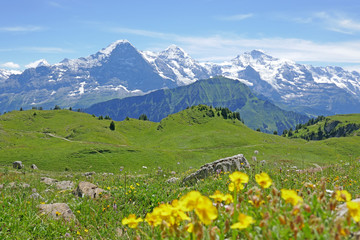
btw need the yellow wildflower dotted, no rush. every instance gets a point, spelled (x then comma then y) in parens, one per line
(189, 201)
(190, 227)
(132, 221)
(108, 188)
(290, 196)
(205, 210)
(354, 210)
(228, 199)
(86, 230)
(58, 213)
(343, 196)
(244, 222)
(237, 179)
(263, 180)
(217, 196)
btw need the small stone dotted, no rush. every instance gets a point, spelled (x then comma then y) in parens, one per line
(57, 211)
(33, 166)
(36, 196)
(172, 180)
(87, 174)
(12, 185)
(48, 181)
(18, 165)
(25, 185)
(88, 189)
(64, 185)
(342, 209)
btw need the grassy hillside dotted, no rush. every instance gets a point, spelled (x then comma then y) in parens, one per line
(327, 127)
(217, 91)
(60, 139)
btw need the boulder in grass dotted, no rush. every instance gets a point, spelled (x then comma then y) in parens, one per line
(88, 189)
(229, 164)
(57, 211)
(18, 165)
(48, 181)
(64, 185)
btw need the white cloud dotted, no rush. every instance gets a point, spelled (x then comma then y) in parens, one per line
(238, 17)
(47, 49)
(10, 65)
(333, 21)
(22, 29)
(222, 47)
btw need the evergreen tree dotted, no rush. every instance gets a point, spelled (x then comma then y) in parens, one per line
(275, 132)
(21, 109)
(70, 108)
(143, 117)
(258, 130)
(57, 107)
(127, 118)
(112, 126)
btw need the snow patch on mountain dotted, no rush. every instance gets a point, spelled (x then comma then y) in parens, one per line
(38, 63)
(5, 74)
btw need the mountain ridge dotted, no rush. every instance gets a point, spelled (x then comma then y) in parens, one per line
(121, 70)
(217, 92)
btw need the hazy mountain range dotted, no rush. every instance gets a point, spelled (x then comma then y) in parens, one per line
(120, 70)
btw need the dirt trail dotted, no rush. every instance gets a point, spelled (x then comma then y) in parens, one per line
(84, 142)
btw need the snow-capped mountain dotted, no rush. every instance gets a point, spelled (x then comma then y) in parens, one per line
(295, 85)
(5, 74)
(121, 70)
(175, 64)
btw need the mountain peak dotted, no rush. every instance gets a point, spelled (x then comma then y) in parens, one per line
(38, 63)
(108, 50)
(255, 54)
(173, 52)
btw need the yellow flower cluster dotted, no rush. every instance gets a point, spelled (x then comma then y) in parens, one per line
(290, 196)
(197, 210)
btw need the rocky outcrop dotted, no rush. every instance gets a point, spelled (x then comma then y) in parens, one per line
(64, 185)
(88, 189)
(57, 211)
(18, 165)
(229, 164)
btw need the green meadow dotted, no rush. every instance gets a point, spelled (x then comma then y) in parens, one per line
(138, 201)
(60, 140)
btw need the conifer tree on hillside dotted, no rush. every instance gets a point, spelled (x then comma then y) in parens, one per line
(112, 126)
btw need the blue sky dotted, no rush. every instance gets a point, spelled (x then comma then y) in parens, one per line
(319, 32)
